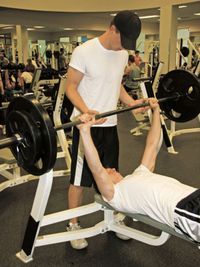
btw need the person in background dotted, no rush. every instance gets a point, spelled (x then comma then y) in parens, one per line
(63, 62)
(10, 80)
(138, 59)
(1, 86)
(30, 67)
(12, 86)
(25, 79)
(132, 71)
(94, 85)
(3, 59)
(2, 113)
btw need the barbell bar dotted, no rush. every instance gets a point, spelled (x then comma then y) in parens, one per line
(116, 111)
(31, 135)
(142, 79)
(6, 142)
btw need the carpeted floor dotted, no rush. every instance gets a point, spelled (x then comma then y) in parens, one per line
(103, 250)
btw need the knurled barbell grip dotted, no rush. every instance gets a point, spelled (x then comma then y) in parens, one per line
(142, 79)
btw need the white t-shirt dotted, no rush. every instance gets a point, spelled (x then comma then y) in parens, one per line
(103, 71)
(150, 194)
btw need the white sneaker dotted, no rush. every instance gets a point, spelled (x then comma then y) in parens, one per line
(78, 243)
(119, 220)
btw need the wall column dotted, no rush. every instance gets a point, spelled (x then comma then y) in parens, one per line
(168, 36)
(22, 43)
(14, 43)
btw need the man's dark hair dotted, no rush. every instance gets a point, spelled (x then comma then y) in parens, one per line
(131, 58)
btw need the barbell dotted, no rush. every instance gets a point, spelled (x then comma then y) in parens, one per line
(31, 135)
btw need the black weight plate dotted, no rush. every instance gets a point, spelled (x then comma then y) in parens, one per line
(187, 85)
(47, 150)
(26, 151)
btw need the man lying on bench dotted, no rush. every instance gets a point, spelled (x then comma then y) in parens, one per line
(162, 198)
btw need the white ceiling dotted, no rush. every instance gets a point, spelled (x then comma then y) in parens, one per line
(93, 21)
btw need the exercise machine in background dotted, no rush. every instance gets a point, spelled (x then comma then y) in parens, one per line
(149, 89)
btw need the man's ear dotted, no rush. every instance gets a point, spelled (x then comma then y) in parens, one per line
(113, 28)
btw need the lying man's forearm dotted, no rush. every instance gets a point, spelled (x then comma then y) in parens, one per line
(154, 133)
(90, 152)
(102, 179)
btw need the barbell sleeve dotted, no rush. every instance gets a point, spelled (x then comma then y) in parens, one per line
(6, 142)
(4, 107)
(116, 111)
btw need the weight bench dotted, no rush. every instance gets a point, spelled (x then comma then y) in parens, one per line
(38, 219)
(167, 231)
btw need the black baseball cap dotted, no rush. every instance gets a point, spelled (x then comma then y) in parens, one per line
(129, 26)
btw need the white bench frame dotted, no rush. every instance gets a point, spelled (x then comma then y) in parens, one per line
(37, 220)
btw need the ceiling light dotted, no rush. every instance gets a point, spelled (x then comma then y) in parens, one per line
(197, 14)
(114, 14)
(182, 6)
(7, 28)
(68, 29)
(30, 29)
(149, 17)
(39, 27)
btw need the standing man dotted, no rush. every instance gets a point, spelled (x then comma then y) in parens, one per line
(94, 86)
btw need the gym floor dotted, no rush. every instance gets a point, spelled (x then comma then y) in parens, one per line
(104, 250)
